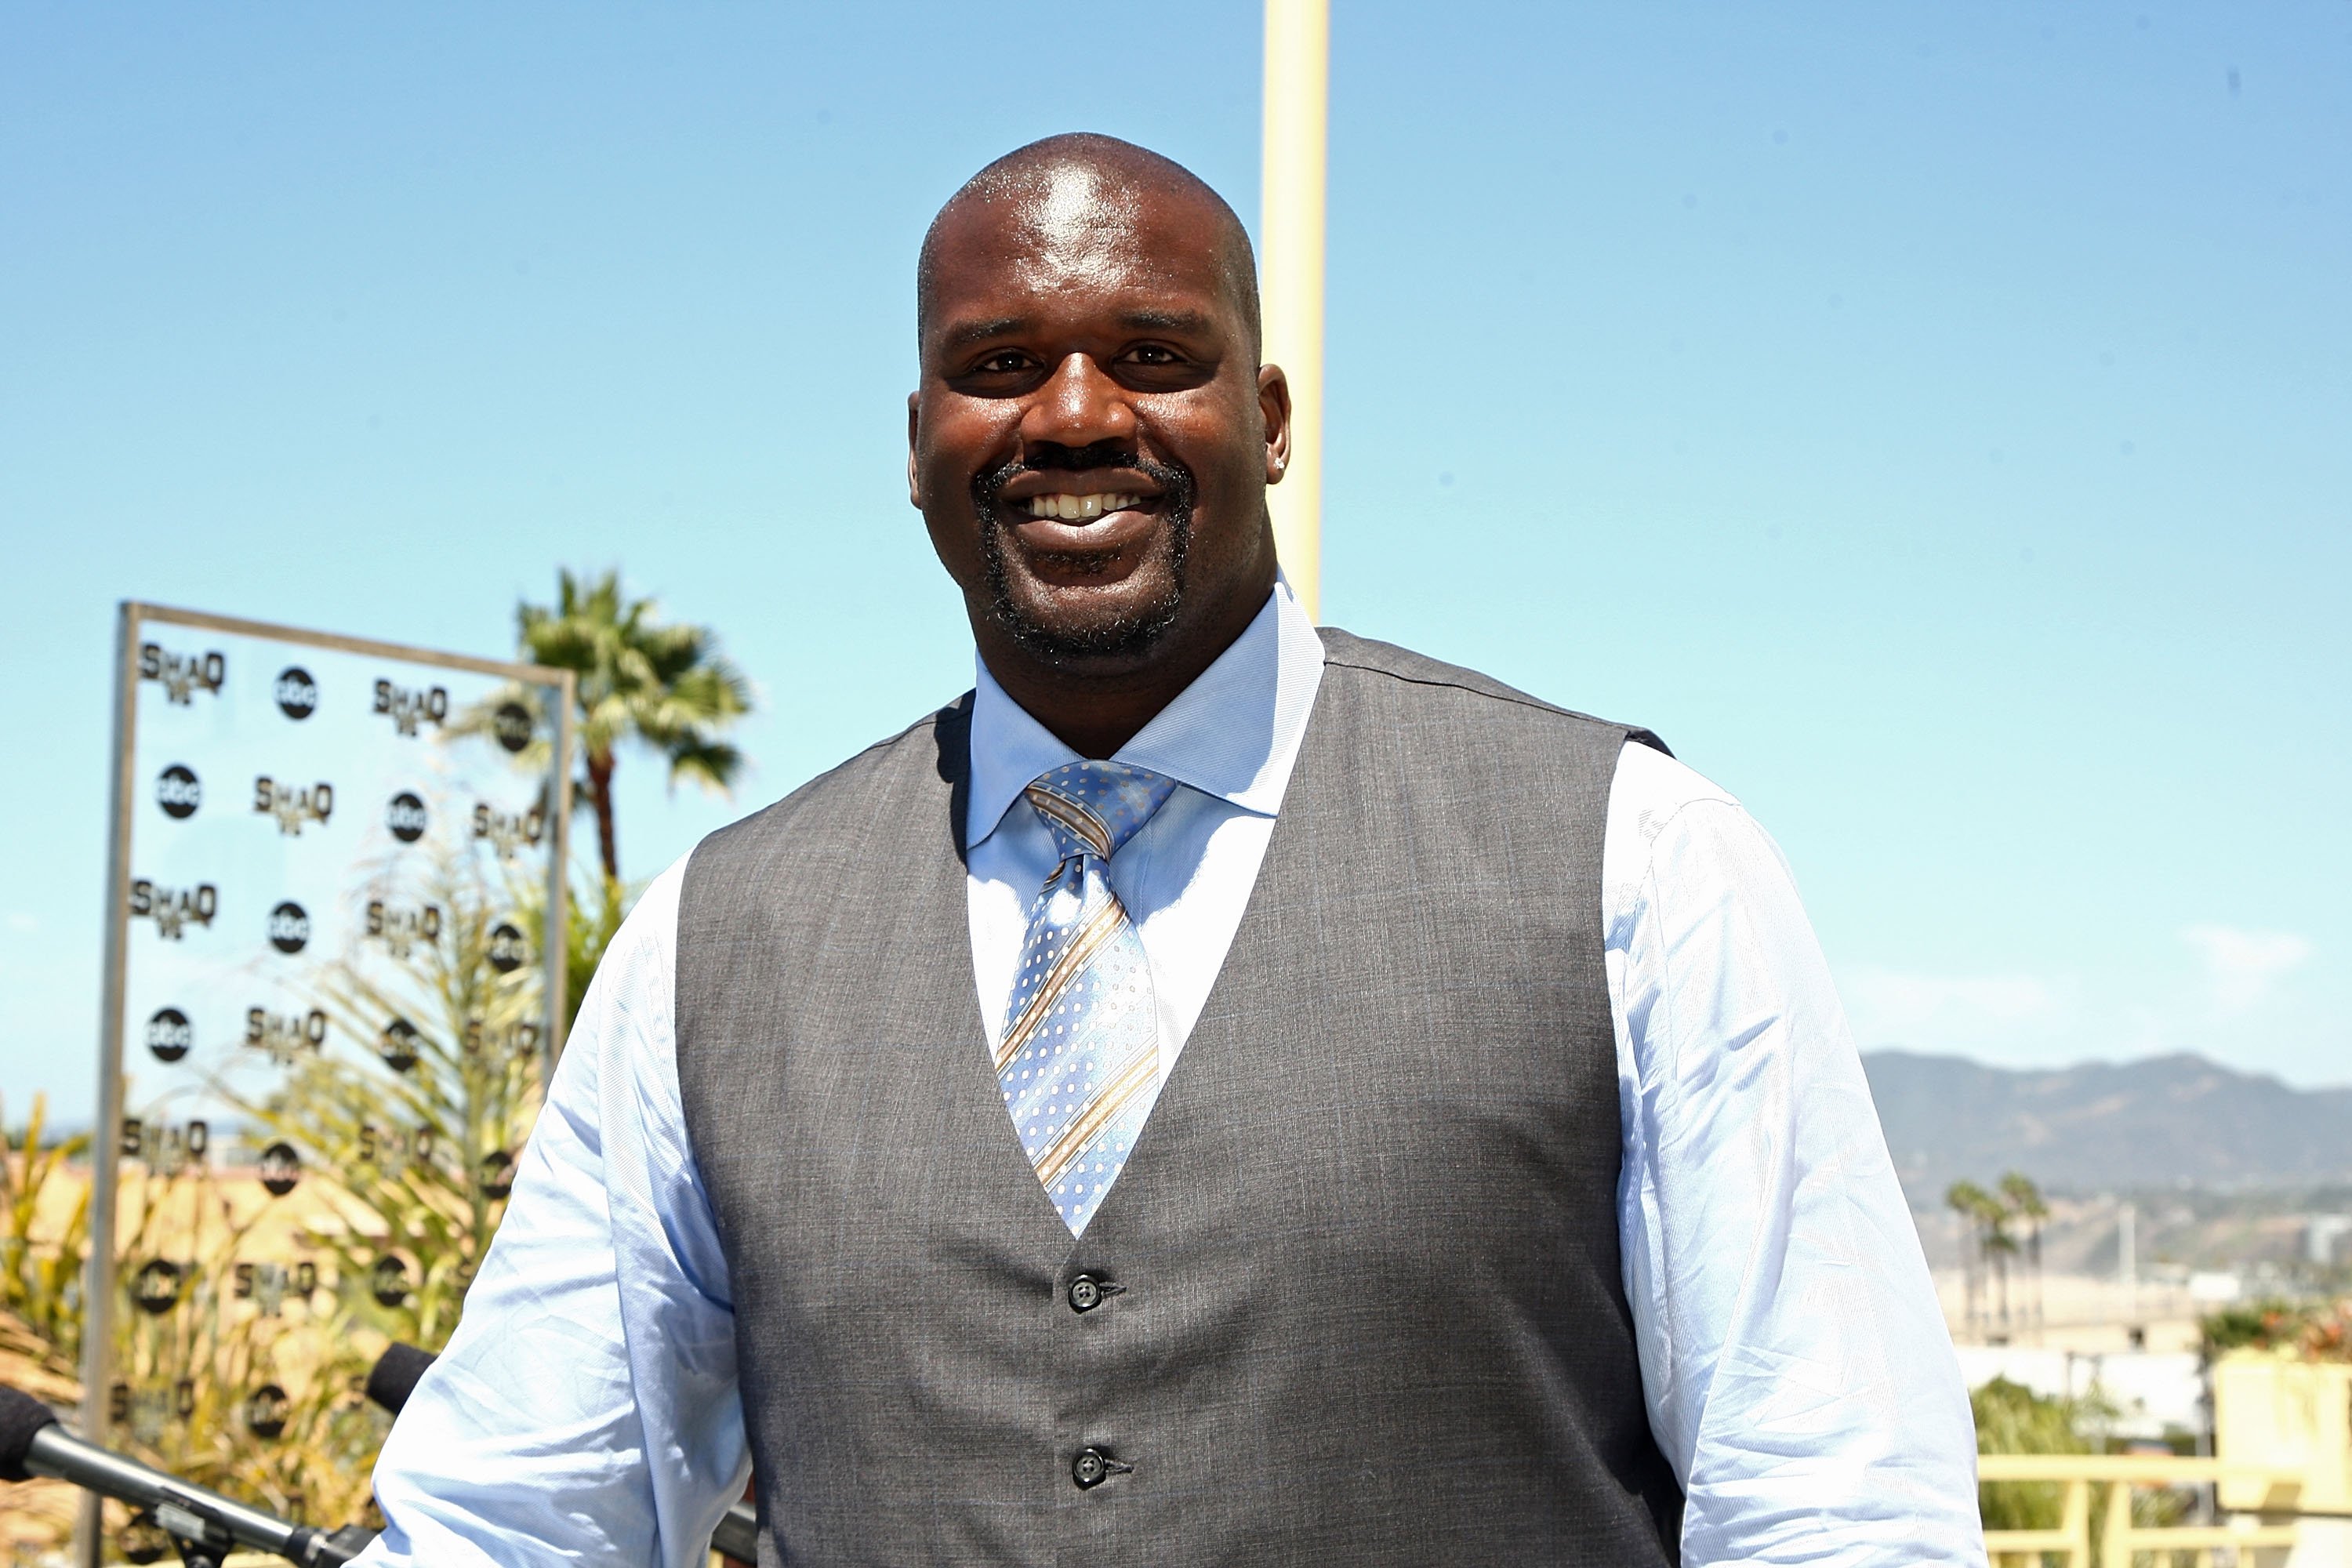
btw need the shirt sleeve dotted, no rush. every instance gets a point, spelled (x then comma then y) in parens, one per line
(586, 1410)
(1800, 1378)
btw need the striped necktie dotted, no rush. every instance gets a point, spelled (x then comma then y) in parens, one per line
(1079, 1060)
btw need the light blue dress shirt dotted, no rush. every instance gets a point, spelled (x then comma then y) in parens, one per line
(1798, 1373)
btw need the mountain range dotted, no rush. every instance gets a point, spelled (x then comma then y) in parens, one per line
(2169, 1121)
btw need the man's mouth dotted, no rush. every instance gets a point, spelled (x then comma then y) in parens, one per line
(1079, 508)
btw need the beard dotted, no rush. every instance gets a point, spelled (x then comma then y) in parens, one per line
(1130, 632)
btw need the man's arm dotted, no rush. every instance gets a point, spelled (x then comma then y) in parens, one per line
(1800, 1376)
(585, 1411)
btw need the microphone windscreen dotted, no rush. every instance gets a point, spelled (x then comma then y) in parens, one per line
(395, 1374)
(22, 1417)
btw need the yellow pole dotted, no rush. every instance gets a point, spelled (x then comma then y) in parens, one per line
(1290, 232)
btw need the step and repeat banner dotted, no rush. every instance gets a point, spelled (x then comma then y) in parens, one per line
(333, 989)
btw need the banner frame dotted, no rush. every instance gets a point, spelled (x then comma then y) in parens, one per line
(132, 616)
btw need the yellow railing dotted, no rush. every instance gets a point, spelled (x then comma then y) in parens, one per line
(2070, 1544)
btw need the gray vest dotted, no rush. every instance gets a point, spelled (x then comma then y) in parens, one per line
(1355, 1298)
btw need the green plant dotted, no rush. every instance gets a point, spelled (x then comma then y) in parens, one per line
(240, 1360)
(2013, 1419)
(249, 1392)
(664, 686)
(2310, 1330)
(41, 1258)
(588, 929)
(419, 1146)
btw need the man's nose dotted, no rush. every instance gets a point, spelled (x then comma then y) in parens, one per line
(1077, 406)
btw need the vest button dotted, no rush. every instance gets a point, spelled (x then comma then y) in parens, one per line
(1089, 1467)
(1086, 1294)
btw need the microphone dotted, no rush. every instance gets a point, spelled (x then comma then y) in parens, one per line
(32, 1444)
(395, 1377)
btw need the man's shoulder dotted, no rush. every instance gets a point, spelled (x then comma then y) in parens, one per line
(1369, 659)
(929, 755)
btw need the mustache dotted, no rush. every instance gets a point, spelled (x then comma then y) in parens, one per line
(1175, 481)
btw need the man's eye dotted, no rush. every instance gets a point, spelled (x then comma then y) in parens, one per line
(1152, 353)
(1003, 364)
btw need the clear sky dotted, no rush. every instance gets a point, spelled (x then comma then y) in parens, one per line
(1937, 421)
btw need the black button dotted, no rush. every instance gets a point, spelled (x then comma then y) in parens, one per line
(1089, 1467)
(1085, 1293)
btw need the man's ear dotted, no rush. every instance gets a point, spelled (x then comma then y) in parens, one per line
(914, 484)
(1273, 407)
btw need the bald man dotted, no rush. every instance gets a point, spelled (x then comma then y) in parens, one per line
(1220, 1091)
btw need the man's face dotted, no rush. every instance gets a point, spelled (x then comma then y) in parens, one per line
(1089, 445)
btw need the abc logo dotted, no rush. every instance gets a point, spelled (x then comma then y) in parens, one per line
(511, 724)
(290, 926)
(497, 1172)
(280, 1169)
(169, 1034)
(178, 792)
(397, 1045)
(507, 948)
(156, 1287)
(389, 1281)
(405, 816)
(297, 693)
(265, 1412)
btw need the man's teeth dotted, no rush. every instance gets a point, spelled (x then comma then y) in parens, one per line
(1078, 509)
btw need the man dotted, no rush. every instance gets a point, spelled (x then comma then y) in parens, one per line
(1220, 1092)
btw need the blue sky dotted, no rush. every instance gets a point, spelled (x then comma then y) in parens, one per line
(1936, 421)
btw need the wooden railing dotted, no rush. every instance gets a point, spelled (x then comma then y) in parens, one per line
(2120, 1474)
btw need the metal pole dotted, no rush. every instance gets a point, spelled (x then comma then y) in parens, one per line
(105, 1143)
(557, 959)
(1290, 231)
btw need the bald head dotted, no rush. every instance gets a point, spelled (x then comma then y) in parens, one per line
(1058, 193)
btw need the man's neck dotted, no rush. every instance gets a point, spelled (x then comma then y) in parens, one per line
(1096, 712)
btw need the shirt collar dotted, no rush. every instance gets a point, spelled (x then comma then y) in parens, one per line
(1234, 733)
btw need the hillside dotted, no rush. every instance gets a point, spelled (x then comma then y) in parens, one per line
(2168, 1121)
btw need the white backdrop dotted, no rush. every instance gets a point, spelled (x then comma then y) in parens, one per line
(302, 823)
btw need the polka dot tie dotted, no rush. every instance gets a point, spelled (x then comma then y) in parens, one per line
(1079, 1060)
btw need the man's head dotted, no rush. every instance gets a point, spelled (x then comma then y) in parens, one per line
(1093, 436)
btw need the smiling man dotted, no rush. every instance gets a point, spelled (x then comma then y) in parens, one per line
(1220, 1091)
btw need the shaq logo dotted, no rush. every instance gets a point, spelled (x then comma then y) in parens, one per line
(403, 928)
(178, 792)
(269, 1284)
(170, 1035)
(408, 708)
(182, 676)
(406, 817)
(162, 1146)
(508, 831)
(285, 1036)
(293, 807)
(500, 1040)
(173, 909)
(147, 1411)
(297, 693)
(512, 723)
(391, 1150)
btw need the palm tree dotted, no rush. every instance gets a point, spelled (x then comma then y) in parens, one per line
(1971, 1203)
(2025, 1203)
(664, 686)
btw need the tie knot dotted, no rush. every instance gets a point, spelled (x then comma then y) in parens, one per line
(1094, 808)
